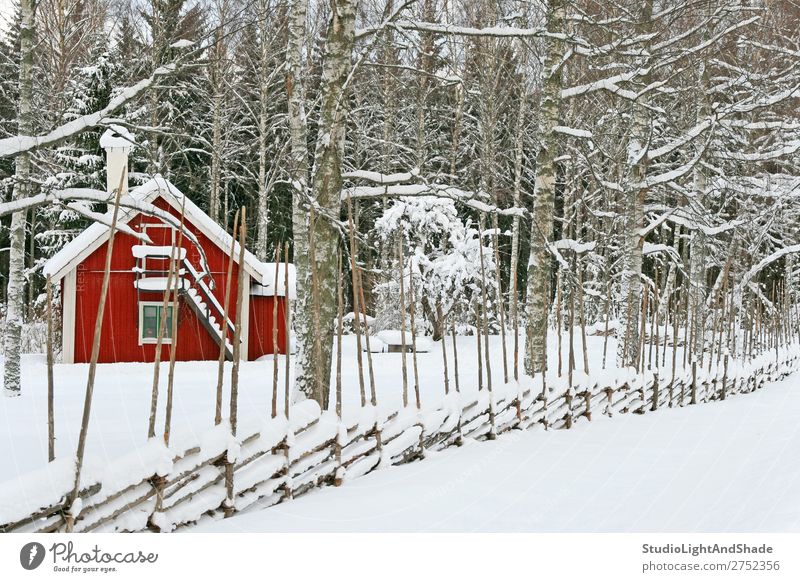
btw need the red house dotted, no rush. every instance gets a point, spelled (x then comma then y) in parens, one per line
(134, 306)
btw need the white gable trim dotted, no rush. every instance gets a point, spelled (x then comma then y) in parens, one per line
(77, 250)
(68, 318)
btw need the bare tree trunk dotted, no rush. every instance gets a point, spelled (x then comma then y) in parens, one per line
(314, 376)
(539, 270)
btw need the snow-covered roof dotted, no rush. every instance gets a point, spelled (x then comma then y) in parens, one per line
(69, 257)
(268, 288)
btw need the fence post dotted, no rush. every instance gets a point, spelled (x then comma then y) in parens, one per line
(51, 431)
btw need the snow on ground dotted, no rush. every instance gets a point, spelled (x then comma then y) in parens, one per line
(723, 467)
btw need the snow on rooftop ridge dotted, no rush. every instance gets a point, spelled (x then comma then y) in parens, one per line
(117, 136)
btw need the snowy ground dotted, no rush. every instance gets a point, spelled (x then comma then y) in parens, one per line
(723, 467)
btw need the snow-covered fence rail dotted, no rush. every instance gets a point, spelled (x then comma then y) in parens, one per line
(159, 488)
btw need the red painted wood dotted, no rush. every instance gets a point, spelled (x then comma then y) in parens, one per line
(120, 339)
(260, 337)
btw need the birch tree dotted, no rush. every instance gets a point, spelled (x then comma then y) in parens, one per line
(305, 377)
(12, 375)
(539, 262)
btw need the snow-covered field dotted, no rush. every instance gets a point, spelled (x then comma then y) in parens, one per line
(723, 466)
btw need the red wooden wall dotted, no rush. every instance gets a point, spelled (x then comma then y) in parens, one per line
(260, 337)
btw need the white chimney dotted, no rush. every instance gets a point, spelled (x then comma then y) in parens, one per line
(117, 142)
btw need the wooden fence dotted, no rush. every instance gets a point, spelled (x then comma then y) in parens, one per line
(156, 489)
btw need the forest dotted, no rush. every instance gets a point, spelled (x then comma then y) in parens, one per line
(622, 168)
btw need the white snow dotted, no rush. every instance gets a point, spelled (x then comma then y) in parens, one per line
(268, 277)
(144, 251)
(117, 136)
(722, 467)
(629, 472)
(394, 337)
(161, 283)
(182, 43)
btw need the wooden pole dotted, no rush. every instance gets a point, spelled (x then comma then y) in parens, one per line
(687, 339)
(643, 329)
(151, 429)
(558, 318)
(571, 335)
(607, 317)
(228, 506)
(403, 344)
(98, 332)
(51, 430)
(173, 348)
(485, 312)
(515, 312)
(172, 272)
(484, 321)
(337, 481)
(653, 322)
(411, 312)
(582, 315)
(444, 359)
(478, 328)
(275, 336)
(237, 335)
(455, 355)
(224, 324)
(362, 303)
(500, 303)
(372, 392)
(676, 302)
(287, 319)
(356, 302)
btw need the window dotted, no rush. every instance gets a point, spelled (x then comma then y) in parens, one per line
(150, 315)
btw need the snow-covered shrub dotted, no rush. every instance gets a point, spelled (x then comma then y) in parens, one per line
(442, 253)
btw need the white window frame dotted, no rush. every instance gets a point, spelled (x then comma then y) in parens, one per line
(148, 341)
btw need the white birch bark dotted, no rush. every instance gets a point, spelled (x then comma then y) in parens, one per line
(633, 218)
(326, 187)
(539, 270)
(262, 216)
(218, 87)
(298, 170)
(12, 375)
